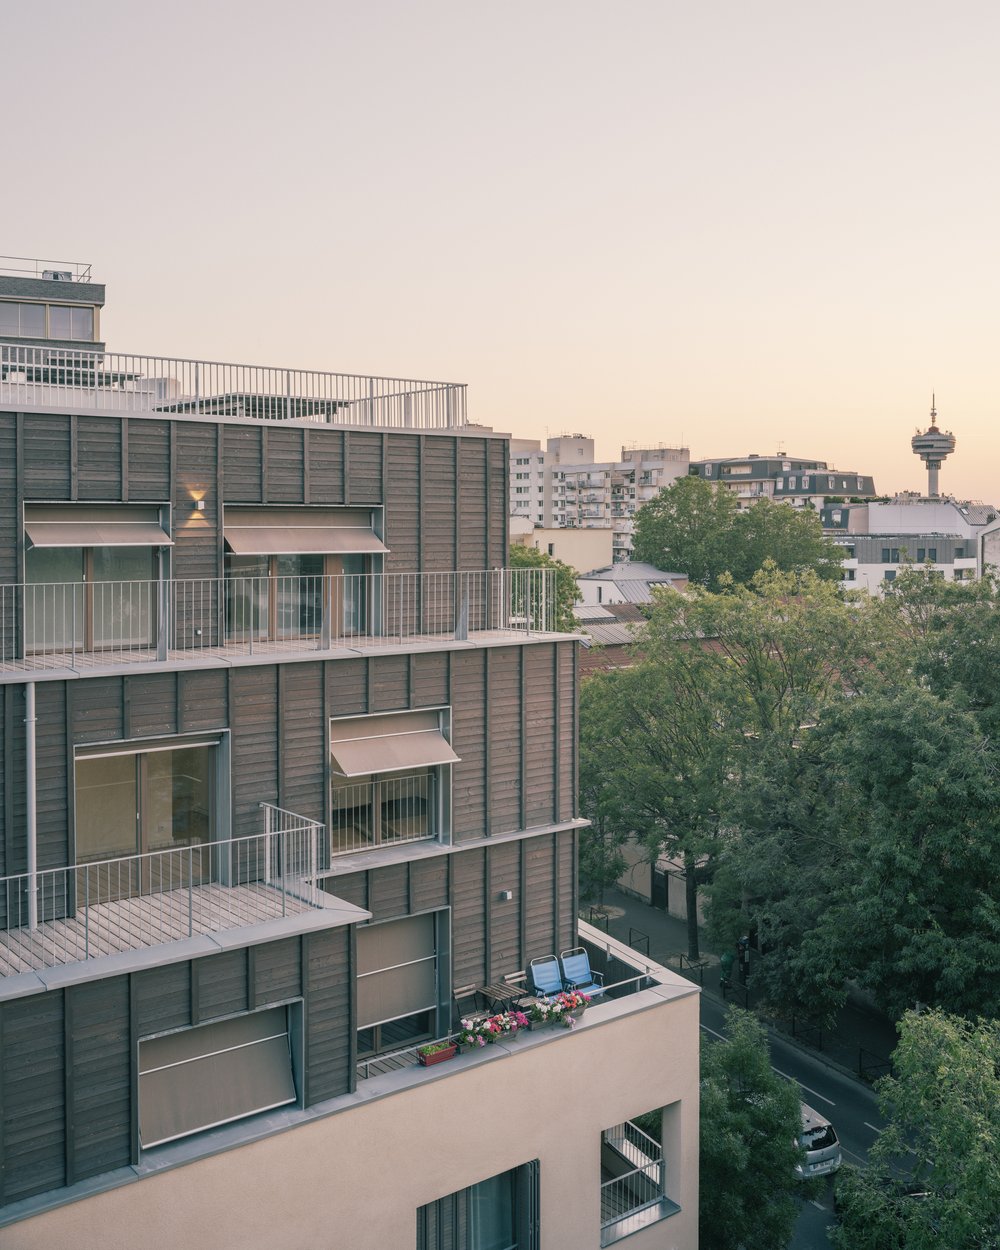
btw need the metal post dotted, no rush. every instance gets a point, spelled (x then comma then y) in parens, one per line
(31, 805)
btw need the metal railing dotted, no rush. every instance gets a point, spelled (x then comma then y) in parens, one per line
(36, 267)
(383, 812)
(123, 381)
(75, 624)
(129, 903)
(642, 1184)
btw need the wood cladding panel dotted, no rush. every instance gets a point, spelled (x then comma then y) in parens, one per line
(365, 467)
(97, 711)
(222, 986)
(347, 687)
(498, 504)
(429, 678)
(567, 730)
(99, 458)
(468, 736)
(9, 522)
(438, 500)
(253, 702)
(242, 457)
(505, 917)
(541, 935)
(150, 705)
(162, 999)
(202, 700)
(566, 891)
(351, 888)
(50, 774)
(468, 925)
(505, 738)
(429, 883)
(99, 1063)
(32, 1095)
(473, 546)
(196, 537)
(47, 457)
(390, 682)
(402, 505)
(148, 460)
(326, 465)
(540, 747)
(277, 971)
(302, 740)
(389, 892)
(329, 983)
(284, 466)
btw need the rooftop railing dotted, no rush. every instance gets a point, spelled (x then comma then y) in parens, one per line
(32, 376)
(67, 915)
(37, 267)
(83, 625)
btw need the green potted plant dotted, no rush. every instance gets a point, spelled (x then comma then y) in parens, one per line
(435, 1052)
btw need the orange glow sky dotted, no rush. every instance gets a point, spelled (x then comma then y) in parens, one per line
(732, 224)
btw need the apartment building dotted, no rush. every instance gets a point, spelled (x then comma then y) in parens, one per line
(564, 487)
(289, 781)
(782, 478)
(880, 538)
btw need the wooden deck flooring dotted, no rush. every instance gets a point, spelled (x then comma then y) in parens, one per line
(137, 923)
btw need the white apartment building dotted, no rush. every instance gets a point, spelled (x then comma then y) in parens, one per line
(564, 487)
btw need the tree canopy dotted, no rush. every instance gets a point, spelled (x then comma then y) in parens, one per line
(933, 1179)
(696, 528)
(750, 1122)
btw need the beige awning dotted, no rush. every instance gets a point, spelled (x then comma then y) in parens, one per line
(388, 744)
(300, 531)
(84, 525)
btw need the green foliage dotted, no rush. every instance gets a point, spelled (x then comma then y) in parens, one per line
(750, 1121)
(567, 592)
(695, 528)
(934, 1174)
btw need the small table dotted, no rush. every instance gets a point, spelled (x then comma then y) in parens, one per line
(503, 995)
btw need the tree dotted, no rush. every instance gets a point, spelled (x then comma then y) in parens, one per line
(566, 591)
(933, 1179)
(695, 528)
(750, 1122)
(687, 529)
(601, 857)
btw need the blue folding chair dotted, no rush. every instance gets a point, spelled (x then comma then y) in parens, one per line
(546, 976)
(578, 975)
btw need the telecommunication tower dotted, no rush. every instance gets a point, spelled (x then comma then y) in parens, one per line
(933, 446)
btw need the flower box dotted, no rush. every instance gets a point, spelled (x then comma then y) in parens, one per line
(428, 1057)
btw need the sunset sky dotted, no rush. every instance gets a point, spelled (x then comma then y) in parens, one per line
(727, 225)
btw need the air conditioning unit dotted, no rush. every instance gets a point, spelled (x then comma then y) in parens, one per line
(58, 275)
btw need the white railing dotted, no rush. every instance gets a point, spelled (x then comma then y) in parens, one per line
(65, 915)
(641, 1183)
(382, 813)
(73, 624)
(56, 376)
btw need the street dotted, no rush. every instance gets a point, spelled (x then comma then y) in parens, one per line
(847, 1103)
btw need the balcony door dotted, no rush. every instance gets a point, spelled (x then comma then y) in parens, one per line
(156, 802)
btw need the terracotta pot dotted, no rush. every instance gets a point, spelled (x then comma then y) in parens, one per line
(438, 1056)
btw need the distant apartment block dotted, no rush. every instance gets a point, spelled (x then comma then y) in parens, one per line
(564, 487)
(782, 478)
(288, 788)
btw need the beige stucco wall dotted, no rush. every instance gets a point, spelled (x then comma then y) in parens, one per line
(355, 1179)
(581, 549)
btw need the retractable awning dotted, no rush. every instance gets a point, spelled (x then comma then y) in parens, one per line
(84, 525)
(387, 744)
(300, 531)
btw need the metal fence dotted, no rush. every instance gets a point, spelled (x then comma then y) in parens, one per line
(641, 1184)
(124, 381)
(385, 811)
(75, 624)
(65, 915)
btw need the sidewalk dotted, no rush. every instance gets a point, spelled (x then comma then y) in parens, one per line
(860, 1042)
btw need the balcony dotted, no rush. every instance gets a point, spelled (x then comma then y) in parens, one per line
(65, 628)
(55, 377)
(88, 911)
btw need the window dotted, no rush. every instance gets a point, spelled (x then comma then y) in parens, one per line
(136, 798)
(74, 322)
(849, 553)
(398, 984)
(886, 554)
(500, 1213)
(890, 575)
(390, 779)
(932, 554)
(291, 572)
(848, 575)
(204, 1077)
(921, 555)
(552, 549)
(91, 575)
